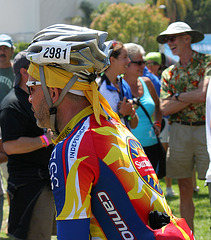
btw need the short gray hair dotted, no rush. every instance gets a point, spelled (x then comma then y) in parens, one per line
(134, 49)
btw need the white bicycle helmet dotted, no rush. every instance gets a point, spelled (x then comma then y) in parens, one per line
(57, 44)
(60, 45)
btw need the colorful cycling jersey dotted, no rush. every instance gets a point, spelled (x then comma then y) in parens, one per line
(102, 173)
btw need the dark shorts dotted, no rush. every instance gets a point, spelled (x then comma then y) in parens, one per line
(151, 153)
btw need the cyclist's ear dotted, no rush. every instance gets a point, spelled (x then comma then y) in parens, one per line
(54, 93)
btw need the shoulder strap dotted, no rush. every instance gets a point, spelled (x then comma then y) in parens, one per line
(121, 94)
(100, 79)
(137, 101)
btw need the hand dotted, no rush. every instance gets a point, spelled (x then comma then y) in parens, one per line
(157, 128)
(49, 135)
(125, 107)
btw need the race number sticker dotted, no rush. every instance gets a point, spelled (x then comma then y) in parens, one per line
(56, 53)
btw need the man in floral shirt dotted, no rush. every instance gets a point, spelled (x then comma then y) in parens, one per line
(183, 95)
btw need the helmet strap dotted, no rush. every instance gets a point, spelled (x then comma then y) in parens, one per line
(53, 106)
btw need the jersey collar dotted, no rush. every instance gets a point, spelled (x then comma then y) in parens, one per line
(73, 122)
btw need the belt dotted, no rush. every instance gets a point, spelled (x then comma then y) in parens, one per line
(199, 123)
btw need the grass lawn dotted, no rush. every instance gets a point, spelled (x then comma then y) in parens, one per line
(202, 221)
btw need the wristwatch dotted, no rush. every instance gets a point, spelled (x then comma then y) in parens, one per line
(177, 96)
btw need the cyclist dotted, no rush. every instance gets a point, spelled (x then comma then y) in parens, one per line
(104, 185)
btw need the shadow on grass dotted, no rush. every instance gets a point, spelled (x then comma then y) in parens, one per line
(200, 195)
(197, 197)
(172, 198)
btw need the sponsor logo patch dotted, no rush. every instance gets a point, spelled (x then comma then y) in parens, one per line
(142, 165)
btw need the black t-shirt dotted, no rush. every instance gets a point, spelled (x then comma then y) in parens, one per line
(17, 120)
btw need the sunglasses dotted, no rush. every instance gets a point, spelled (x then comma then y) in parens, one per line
(31, 84)
(138, 62)
(172, 38)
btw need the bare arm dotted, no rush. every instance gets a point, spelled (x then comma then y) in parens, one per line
(134, 117)
(25, 144)
(196, 96)
(157, 112)
(134, 122)
(3, 156)
(171, 105)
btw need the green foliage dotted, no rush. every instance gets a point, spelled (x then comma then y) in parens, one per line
(151, 2)
(87, 8)
(176, 9)
(199, 18)
(194, 12)
(132, 23)
(77, 20)
(20, 46)
(100, 9)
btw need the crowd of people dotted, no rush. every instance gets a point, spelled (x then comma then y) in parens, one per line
(30, 199)
(80, 126)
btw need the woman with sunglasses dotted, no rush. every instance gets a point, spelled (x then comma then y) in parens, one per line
(143, 90)
(115, 89)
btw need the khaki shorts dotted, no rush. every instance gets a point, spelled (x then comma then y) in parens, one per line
(43, 224)
(187, 148)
